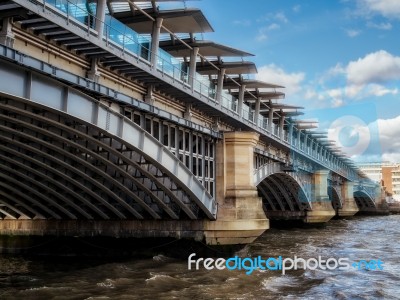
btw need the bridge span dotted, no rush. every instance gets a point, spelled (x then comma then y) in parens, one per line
(113, 124)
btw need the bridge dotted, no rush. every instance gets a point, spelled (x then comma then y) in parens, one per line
(117, 121)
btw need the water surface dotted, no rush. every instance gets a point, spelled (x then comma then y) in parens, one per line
(162, 277)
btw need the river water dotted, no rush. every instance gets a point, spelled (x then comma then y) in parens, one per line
(162, 277)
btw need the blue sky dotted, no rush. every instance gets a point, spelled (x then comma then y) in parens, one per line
(335, 58)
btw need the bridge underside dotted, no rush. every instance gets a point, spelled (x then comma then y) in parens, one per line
(369, 206)
(54, 166)
(364, 201)
(283, 197)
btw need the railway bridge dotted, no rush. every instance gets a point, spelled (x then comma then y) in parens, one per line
(117, 120)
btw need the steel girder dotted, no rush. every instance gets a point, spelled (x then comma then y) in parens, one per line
(72, 147)
(364, 200)
(281, 192)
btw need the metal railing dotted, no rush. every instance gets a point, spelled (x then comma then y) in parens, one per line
(229, 102)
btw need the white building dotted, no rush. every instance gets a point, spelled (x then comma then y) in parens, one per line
(373, 169)
(396, 182)
(385, 172)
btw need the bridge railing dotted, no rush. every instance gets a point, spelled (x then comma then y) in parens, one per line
(132, 44)
(229, 102)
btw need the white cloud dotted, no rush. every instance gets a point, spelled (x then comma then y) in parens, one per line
(261, 37)
(389, 132)
(274, 74)
(376, 141)
(380, 90)
(351, 91)
(375, 75)
(310, 94)
(336, 96)
(296, 8)
(375, 67)
(278, 17)
(357, 91)
(389, 129)
(244, 23)
(392, 157)
(386, 8)
(337, 70)
(337, 102)
(353, 33)
(281, 17)
(380, 26)
(275, 21)
(262, 32)
(273, 26)
(362, 78)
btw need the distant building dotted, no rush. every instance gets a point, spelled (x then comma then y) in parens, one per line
(385, 172)
(395, 181)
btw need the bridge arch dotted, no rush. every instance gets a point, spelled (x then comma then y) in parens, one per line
(364, 200)
(266, 170)
(78, 159)
(283, 193)
(335, 196)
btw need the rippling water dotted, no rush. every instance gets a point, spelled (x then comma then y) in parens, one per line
(166, 278)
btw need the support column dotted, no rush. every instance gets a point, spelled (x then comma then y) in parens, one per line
(149, 97)
(349, 206)
(281, 126)
(215, 124)
(188, 112)
(220, 85)
(330, 159)
(100, 17)
(321, 154)
(298, 138)
(306, 143)
(155, 40)
(241, 218)
(242, 90)
(270, 117)
(192, 66)
(93, 74)
(322, 210)
(290, 132)
(6, 34)
(257, 111)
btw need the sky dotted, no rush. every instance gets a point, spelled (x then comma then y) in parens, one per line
(339, 59)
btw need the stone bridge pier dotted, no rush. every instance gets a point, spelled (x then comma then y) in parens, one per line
(321, 206)
(241, 218)
(348, 206)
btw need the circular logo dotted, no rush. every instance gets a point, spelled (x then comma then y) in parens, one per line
(351, 134)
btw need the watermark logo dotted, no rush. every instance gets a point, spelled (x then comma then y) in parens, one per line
(250, 264)
(353, 129)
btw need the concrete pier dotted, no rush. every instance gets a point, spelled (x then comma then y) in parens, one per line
(241, 218)
(322, 210)
(349, 206)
